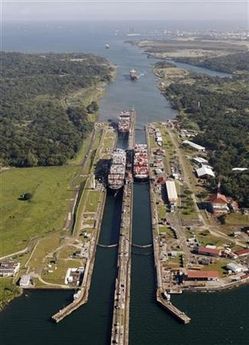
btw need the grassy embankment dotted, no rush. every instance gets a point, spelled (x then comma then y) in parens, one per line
(43, 216)
(45, 212)
(59, 257)
(24, 221)
(51, 190)
(8, 291)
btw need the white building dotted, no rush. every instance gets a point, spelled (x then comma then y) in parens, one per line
(239, 169)
(200, 160)
(9, 268)
(194, 146)
(25, 281)
(204, 171)
(172, 193)
(236, 268)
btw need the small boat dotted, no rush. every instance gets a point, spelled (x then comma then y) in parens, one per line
(76, 295)
(107, 46)
(133, 74)
(166, 296)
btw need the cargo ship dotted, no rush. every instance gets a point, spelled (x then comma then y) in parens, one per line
(133, 74)
(141, 164)
(124, 122)
(117, 171)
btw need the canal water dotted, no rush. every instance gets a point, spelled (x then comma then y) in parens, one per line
(220, 318)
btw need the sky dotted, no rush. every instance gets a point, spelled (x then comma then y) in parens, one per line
(43, 10)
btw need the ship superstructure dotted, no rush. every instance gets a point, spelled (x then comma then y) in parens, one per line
(140, 163)
(124, 122)
(133, 74)
(117, 171)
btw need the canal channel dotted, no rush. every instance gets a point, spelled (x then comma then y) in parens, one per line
(26, 319)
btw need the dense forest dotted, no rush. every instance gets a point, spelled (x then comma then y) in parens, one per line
(37, 124)
(219, 108)
(226, 63)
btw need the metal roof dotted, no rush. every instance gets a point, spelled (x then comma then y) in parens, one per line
(171, 190)
(205, 170)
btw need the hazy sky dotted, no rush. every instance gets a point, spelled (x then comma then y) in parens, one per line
(236, 10)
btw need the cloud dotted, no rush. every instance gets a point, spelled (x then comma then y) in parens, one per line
(129, 9)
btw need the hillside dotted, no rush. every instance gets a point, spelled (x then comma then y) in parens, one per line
(39, 124)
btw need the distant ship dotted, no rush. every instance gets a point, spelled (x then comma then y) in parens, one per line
(77, 294)
(124, 122)
(141, 164)
(133, 74)
(117, 171)
(133, 34)
(166, 296)
(107, 46)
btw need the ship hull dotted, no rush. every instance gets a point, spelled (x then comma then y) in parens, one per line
(122, 131)
(133, 78)
(115, 188)
(143, 178)
(140, 163)
(115, 191)
(116, 176)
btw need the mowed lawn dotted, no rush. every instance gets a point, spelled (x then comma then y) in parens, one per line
(46, 212)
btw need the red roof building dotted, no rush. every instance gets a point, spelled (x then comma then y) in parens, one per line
(202, 275)
(242, 252)
(219, 203)
(209, 251)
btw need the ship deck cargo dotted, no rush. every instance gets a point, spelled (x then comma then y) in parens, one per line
(117, 170)
(124, 122)
(141, 163)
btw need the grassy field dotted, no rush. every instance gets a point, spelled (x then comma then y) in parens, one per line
(82, 152)
(237, 219)
(58, 272)
(219, 265)
(8, 291)
(93, 198)
(43, 249)
(205, 238)
(46, 212)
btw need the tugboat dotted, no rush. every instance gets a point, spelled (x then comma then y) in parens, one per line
(77, 294)
(166, 296)
(133, 74)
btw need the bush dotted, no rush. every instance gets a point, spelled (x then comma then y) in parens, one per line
(26, 196)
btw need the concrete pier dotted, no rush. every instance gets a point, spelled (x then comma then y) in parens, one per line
(131, 139)
(120, 321)
(173, 310)
(87, 278)
(178, 314)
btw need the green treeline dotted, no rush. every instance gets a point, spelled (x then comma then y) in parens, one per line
(37, 124)
(219, 108)
(227, 63)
